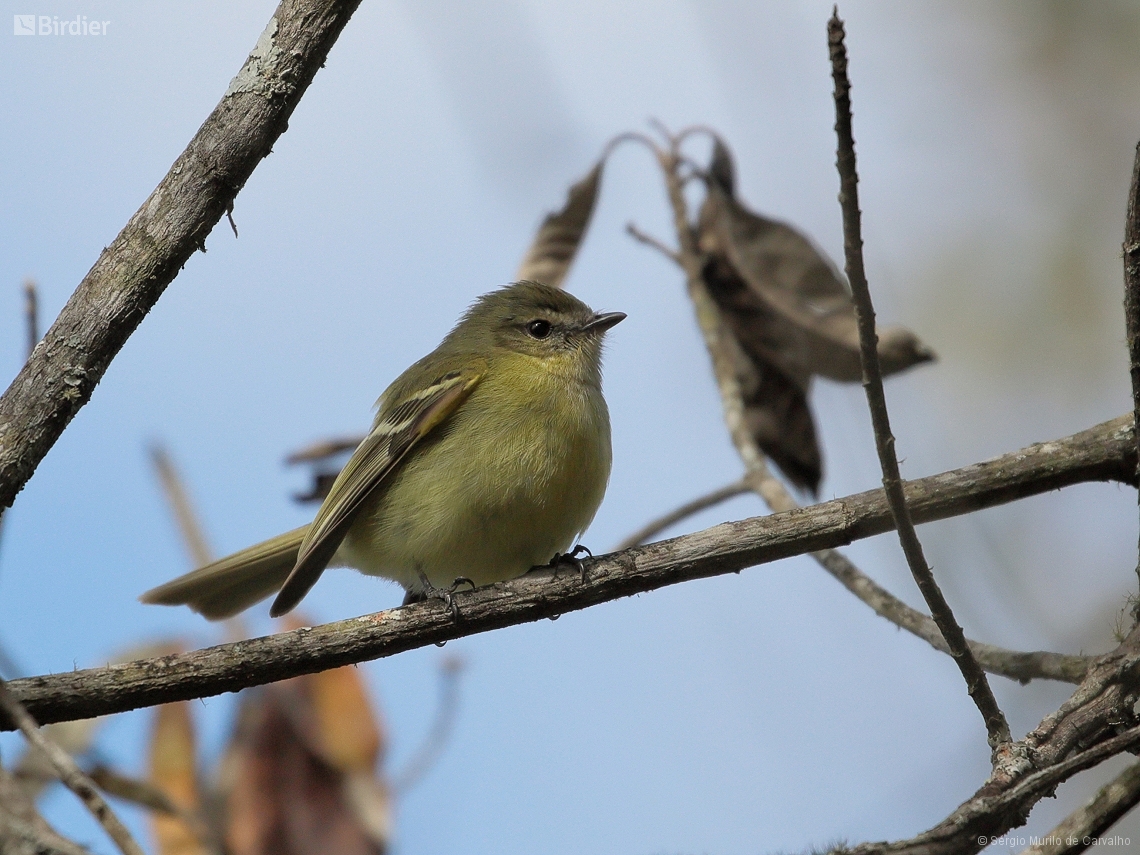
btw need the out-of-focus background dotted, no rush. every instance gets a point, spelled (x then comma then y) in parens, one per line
(743, 714)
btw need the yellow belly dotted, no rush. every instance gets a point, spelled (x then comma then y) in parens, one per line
(489, 498)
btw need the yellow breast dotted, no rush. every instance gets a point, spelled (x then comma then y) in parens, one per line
(509, 481)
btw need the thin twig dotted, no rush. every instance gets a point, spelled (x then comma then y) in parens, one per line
(701, 503)
(69, 773)
(1106, 452)
(624, 137)
(1132, 300)
(647, 239)
(1084, 826)
(1088, 729)
(1014, 664)
(987, 817)
(429, 751)
(8, 667)
(321, 450)
(31, 315)
(976, 682)
(131, 274)
(179, 501)
(148, 795)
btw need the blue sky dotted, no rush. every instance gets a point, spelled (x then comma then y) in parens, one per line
(742, 714)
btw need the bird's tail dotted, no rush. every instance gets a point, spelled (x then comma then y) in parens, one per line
(234, 583)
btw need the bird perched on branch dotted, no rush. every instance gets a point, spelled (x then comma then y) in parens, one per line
(487, 457)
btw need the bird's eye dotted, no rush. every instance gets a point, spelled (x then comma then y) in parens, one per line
(538, 329)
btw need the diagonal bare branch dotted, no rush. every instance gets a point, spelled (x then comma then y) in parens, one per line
(1096, 723)
(1105, 452)
(131, 274)
(976, 682)
(720, 344)
(69, 773)
(1078, 831)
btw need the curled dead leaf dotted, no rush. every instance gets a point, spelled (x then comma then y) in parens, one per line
(790, 313)
(553, 249)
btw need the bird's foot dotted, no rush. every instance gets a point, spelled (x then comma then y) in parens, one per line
(428, 591)
(571, 558)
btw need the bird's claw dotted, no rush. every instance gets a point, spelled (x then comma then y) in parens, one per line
(573, 560)
(428, 591)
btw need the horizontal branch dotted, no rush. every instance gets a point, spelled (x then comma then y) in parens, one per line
(1103, 453)
(131, 274)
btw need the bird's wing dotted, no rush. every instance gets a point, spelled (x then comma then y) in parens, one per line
(397, 433)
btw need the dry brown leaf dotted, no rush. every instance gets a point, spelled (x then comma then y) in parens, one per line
(560, 234)
(325, 458)
(791, 316)
(351, 737)
(174, 772)
(283, 798)
(813, 328)
(776, 409)
(340, 724)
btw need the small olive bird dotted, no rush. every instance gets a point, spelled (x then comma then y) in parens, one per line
(487, 457)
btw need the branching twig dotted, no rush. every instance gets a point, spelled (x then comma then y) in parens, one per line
(649, 240)
(69, 773)
(1105, 452)
(22, 830)
(1016, 665)
(133, 271)
(1095, 724)
(976, 682)
(1132, 298)
(701, 503)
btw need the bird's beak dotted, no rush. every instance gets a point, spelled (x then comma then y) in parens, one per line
(603, 321)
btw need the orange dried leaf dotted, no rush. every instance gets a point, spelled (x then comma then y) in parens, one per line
(174, 771)
(351, 736)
